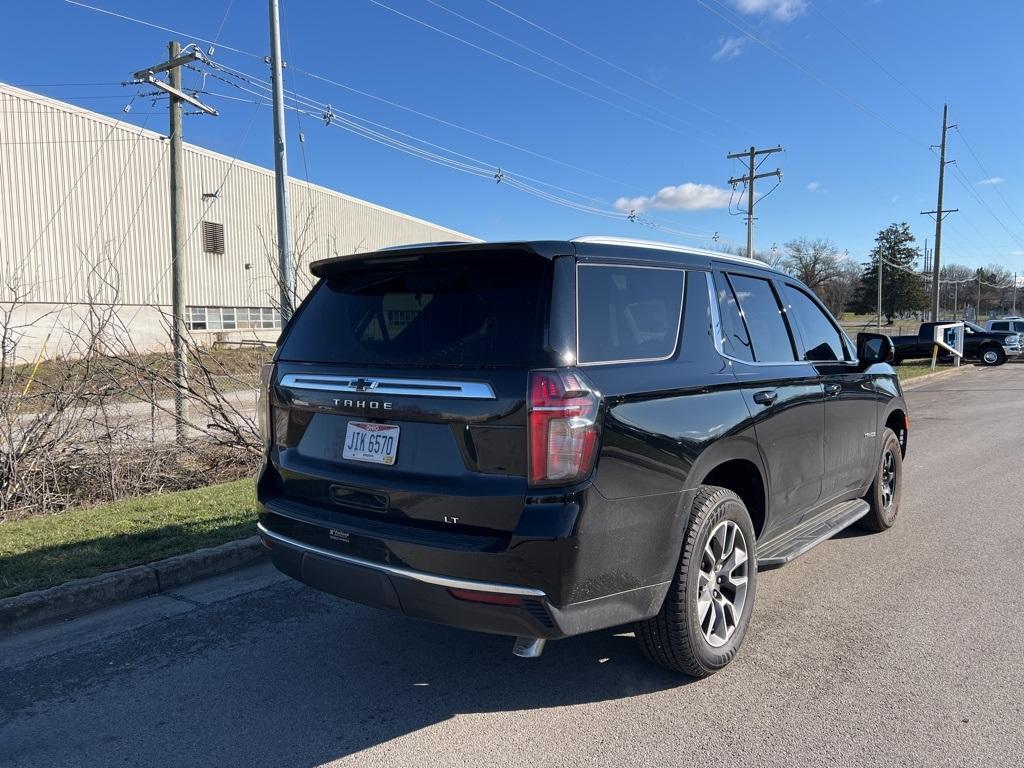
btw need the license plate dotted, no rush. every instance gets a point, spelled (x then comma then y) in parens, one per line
(374, 443)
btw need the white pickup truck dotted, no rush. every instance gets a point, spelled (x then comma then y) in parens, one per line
(1013, 324)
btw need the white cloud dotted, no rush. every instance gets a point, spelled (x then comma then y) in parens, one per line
(781, 10)
(729, 48)
(814, 186)
(685, 197)
(993, 180)
(1017, 253)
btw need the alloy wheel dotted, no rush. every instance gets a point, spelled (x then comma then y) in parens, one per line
(722, 583)
(888, 480)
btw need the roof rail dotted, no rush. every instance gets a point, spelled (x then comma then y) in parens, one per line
(636, 243)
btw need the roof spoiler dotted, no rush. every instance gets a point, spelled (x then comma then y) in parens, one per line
(419, 251)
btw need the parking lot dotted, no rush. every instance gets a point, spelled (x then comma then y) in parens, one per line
(904, 648)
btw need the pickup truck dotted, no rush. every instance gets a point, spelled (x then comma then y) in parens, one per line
(986, 347)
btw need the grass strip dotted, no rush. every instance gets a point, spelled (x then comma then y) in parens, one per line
(40, 552)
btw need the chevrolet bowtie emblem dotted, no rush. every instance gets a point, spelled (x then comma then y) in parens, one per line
(363, 385)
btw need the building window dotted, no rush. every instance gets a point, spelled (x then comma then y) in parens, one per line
(213, 237)
(195, 318)
(231, 318)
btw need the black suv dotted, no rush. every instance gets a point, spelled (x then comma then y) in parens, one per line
(539, 439)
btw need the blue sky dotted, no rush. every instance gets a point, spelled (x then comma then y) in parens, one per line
(680, 85)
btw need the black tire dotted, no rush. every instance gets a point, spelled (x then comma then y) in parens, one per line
(885, 507)
(992, 355)
(675, 638)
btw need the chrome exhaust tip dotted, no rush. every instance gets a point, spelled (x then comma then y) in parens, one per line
(528, 647)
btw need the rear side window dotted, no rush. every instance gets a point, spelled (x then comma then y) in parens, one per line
(484, 311)
(762, 313)
(1000, 326)
(627, 313)
(821, 340)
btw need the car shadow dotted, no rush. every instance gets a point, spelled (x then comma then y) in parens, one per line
(291, 676)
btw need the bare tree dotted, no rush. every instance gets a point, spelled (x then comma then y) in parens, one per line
(841, 289)
(813, 262)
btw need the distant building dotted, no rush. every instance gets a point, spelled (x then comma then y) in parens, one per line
(84, 221)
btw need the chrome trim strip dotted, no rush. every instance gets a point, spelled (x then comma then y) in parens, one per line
(405, 573)
(371, 385)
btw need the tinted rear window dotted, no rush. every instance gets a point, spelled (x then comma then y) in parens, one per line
(484, 311)
(628, 313)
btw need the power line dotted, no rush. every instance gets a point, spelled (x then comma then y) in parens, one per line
(395, 104)
(206, 209)
(516, 183)
(74, 186)
(471, 131)
(966, 184)
(475, 166)
(872, 59)
(566, 67)
(529, 69)
(808, 72)
(151, 25)
(199, 79)
(298, 116)
(70, 284)
(615, 66)
(63, 85)
(85, 97)
(984, 170)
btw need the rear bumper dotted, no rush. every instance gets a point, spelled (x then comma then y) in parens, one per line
(432, 596)
(565, 575)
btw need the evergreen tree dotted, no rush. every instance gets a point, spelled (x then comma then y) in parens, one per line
(903, 288)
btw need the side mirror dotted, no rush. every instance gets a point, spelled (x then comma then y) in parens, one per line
(874, 348)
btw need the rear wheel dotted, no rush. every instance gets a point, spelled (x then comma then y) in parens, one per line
(884, 496)
(992, 356)
(705, 615)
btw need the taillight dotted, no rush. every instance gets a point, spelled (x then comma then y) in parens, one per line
(564, 428)
(263, 404)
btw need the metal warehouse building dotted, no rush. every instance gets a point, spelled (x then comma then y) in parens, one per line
(84, 221)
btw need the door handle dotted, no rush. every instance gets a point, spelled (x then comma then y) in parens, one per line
(767, 397)
(833, 390)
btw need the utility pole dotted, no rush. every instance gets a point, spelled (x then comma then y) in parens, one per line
(177, 250)
(285, 266)
(1014, 310)
(751, 176)
(176, 96)
(939, 214)
(879, 323)
(977, 307)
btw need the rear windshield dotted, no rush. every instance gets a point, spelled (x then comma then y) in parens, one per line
(483, 311)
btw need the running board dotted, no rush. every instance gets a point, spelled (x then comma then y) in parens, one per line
(809, 533)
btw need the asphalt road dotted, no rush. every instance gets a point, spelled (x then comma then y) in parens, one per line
(905, 648)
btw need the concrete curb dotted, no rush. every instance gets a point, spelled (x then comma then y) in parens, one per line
(930, 377)
(85, 595)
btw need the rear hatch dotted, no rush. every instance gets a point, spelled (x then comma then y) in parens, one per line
(399, 395)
